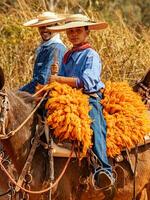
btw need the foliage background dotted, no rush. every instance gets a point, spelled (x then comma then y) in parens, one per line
(124, 47)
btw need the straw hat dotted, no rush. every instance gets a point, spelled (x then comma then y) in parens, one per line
(78, 20)
(46, 18)
(76, 17)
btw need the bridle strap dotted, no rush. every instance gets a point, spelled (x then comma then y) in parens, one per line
(3, 94)
(11, 133)
(4, 110)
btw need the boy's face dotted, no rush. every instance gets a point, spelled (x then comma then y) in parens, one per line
(46, 35)
(77, 35)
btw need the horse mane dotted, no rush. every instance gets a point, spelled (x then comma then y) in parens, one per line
(18, 107)
(18, 146)
(26, 97)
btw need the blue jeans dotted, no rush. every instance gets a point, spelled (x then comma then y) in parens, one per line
(99, 131)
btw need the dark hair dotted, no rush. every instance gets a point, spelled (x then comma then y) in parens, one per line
(52, 25)
(2, 78)
(86, 28)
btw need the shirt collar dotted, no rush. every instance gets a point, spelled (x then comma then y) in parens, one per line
(75, 55)
(55, 39)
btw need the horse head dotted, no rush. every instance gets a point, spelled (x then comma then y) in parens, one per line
(146, 79)
(143, 88)
(16, 139)
(13, 111)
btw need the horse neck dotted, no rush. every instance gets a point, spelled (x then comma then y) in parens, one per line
(18, 146)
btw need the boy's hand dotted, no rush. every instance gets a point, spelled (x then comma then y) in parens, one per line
(53, 78)
(54, 69)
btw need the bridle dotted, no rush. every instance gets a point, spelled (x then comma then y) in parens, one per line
(5, 107)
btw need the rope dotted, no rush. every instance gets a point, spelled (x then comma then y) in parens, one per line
(40, 191)
(11, 133)
(3, 94)
(135, 170)
(39, 91)
(5, 193)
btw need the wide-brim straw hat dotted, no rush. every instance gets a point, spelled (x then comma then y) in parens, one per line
(45, 19)
(78, 20)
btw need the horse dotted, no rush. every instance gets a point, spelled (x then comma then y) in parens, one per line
(18, 147)
(76, 183)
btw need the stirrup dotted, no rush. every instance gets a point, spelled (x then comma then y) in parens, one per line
(108, 174)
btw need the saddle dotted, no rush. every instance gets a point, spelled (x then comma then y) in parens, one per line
(64, 150)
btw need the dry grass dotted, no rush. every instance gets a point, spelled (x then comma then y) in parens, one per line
(124, 51)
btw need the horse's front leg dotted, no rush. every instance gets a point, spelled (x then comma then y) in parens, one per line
(144, 194)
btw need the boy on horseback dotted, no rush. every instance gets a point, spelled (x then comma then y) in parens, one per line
(81, 68)
(50, 46)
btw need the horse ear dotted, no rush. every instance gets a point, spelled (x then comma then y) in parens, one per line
(26, 97)
(146, 79)
(2, 78)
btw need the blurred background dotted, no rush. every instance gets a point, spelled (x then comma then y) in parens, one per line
(124, 46)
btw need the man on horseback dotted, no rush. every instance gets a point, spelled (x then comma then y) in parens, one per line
(50, 47)
(81, 68)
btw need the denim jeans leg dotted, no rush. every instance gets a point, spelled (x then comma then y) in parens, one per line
(99, 132)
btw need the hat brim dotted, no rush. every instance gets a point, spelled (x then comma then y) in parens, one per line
(76, 24)
(37, 23)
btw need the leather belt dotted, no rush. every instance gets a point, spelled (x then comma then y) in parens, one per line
(94, 95)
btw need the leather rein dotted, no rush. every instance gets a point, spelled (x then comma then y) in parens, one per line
(5, 107)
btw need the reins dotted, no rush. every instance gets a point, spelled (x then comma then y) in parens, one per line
(11, 133)
(135, 171)
(5, 193)
(40, 191)
(3, 94)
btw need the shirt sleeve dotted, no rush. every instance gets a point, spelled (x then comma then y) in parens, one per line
(42, 68)
(29, 87)
(62, 70)
(91, 73)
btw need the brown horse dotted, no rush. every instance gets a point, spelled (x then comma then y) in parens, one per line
(70, 186)
(18, 147)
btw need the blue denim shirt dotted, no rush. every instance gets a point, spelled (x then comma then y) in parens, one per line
(86, 66)
(44, 59)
